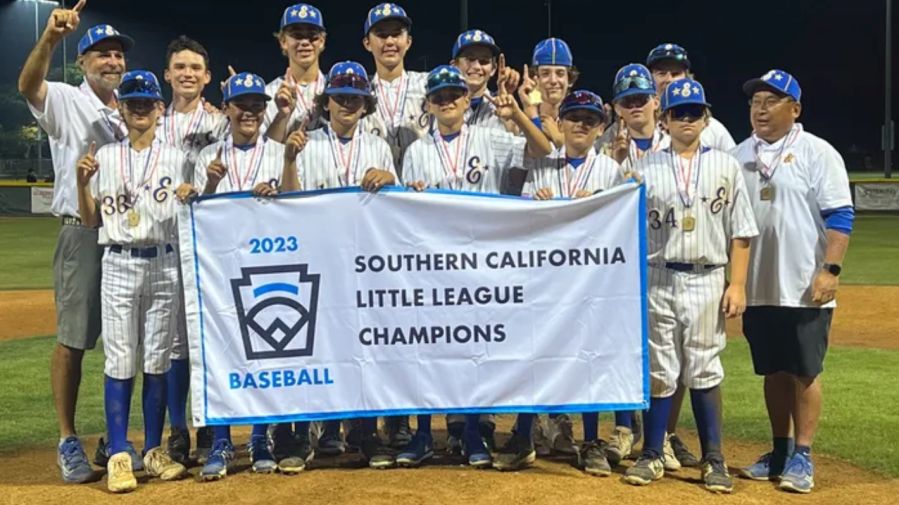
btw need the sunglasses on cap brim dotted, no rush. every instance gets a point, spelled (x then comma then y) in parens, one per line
(634, 82)
(691, 110)
(354, 81)
(139, 86)
(669, 54)
(447, 78)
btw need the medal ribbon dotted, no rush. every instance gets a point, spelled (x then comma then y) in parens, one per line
(388, 112)
(346, 165)
(193, 125)
(451, 169)
(766, 171)
(301, 99)
(580, 181)
(691, 180)
(252, 167)
(132, 192)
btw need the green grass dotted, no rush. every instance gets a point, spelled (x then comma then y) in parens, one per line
(871, 258)
(26, 252)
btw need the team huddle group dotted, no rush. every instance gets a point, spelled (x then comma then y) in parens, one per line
(124, 161)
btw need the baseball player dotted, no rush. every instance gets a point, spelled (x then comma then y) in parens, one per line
(190, 124)
(699, 215)
(302, 39)
(73, 117)
(476, 54)
(457, 156)
(553, 74)
(794, 269)
(574, 170)
(128, 188)
(246, 160)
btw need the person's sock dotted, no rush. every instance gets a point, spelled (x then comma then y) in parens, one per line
(370, 426)
(424, 424)
(591, 426)
(708, 425)
(655, 422)
(178, 383)
(260, 430)
(472, 435)
(525, 426)
(301, 428)
(783, 446)
(222, 432)
(624, 418)
(117, 400)
(154, 399)
(804, 450)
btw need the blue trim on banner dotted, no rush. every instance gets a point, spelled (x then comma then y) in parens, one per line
(644, 293)
(275, 286)
(193, 229)
(240, 195)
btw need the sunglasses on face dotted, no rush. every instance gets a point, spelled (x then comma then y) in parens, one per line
(634, 82)
(348, 101)
(584, 118)
(445, 96)
(634, 101)
(139, 104)
(686, 112)
(354, 81)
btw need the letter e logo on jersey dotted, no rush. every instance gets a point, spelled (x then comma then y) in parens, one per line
(276, 307)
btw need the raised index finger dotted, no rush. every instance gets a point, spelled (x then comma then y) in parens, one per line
(80, 5)
(502, 63)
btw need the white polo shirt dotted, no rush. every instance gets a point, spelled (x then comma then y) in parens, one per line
(73, 117)
(809, 177)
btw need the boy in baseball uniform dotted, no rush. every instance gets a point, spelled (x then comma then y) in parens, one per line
(189, 124)
(477, 56)
(574, 170)
(794, 269)
(127, 189)
(302, 40)
(460, 157)
(246, 160)
(700, 218)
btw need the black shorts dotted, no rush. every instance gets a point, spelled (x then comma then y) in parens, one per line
(787, 339)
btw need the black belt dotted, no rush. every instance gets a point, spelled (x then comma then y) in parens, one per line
(141, 252)
(71, 221)
(690, 267)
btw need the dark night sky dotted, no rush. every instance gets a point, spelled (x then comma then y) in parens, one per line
(835, 50)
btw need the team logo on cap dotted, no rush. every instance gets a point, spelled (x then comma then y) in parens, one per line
(772, 75)
(386, 8)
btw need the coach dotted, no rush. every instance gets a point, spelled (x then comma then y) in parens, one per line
(73, 117)
(799, 190)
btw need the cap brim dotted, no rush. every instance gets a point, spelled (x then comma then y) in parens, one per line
(346, 91)
(591, 108)
(634, 91)
(688, 101)
(753, 85)
(684, 62)
(405, 19)
(126, 42)
(493, 48)
(132, 96)
(248, 93)
(304, 22)
(447, 85)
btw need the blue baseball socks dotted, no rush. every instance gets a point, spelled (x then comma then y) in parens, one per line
(117, 400)
(178, 383)
(154, 400)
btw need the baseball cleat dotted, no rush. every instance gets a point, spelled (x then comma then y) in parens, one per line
(292, 450)
(488, 435)
(72, 461)
(799, 475)
(621, 444)
(715, 475)
(769, 467)
(159, 464)
(119, 476)
(205, 439)
(419, 450)
(683, 455)
(671, 462)
(398, 432)
(649, 467)
(178, 445)
(475, 450)
(219, 461)
(561, 432)
(377, 454)
(261, 455)
(592, 458)
(330, 443)
(101, 456)
(517, 454)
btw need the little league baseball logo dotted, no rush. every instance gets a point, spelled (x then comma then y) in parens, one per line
(276, 308)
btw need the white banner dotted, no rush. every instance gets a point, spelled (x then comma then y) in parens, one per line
(340, 303)
(41, 200)
(877, 196)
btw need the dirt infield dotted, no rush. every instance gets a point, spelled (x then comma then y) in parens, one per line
(865, 318)
(30, 477)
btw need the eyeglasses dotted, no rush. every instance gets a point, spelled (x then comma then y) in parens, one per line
(444, 78)
(634, 101)
(668, 54)
(354, 81)
(768, 103)
(139, 86)
(683, 112)
(634, 82)
(582, 98)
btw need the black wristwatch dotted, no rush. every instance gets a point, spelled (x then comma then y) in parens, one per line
(833, 269)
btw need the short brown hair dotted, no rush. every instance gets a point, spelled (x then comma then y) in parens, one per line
(185, 43)
(321, 106)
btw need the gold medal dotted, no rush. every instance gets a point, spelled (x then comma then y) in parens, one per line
(689, 223)
(535, 97)
(133, 219)
(767, 193)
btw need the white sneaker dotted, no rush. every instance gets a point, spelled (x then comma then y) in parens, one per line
(561, 433)
(671, 462)
(159, 464)
(621, 443)
(119, 477)
(540, 432)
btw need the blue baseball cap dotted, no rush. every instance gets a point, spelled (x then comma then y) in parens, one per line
(348, 78)
(633, 79)
(583, 100)
(244, 83)
(778, 80)
(671, 52)
(103, 32)
(302, 14)
(139, 84)
(475, 38)
(552, 52)
(682, 92)
(446, 76)
(383, 12)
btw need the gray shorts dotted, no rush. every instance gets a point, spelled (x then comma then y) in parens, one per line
(76, 278)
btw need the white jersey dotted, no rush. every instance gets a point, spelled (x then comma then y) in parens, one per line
(605, 142)
(484, 114)
(597, 173)
(73, 117)
(476, 160)
(135, 193)
(806, 176)
(246, 167)
(305, 106)
(716, 136)
(192, 131)
(401, 117)
(694, 207)
(326, 162)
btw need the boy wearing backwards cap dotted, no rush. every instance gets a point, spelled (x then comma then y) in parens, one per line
(127, 190)
(457, 156)
(699, 218)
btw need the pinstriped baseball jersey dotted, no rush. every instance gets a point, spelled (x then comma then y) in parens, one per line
(401, 118)
(192, 131)
(484, 114)
(246, 168)
(476, 160)
(135, 193)
(325, 162)
(694, 207)
(597, 173)
(605, 142)
(305, 105)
